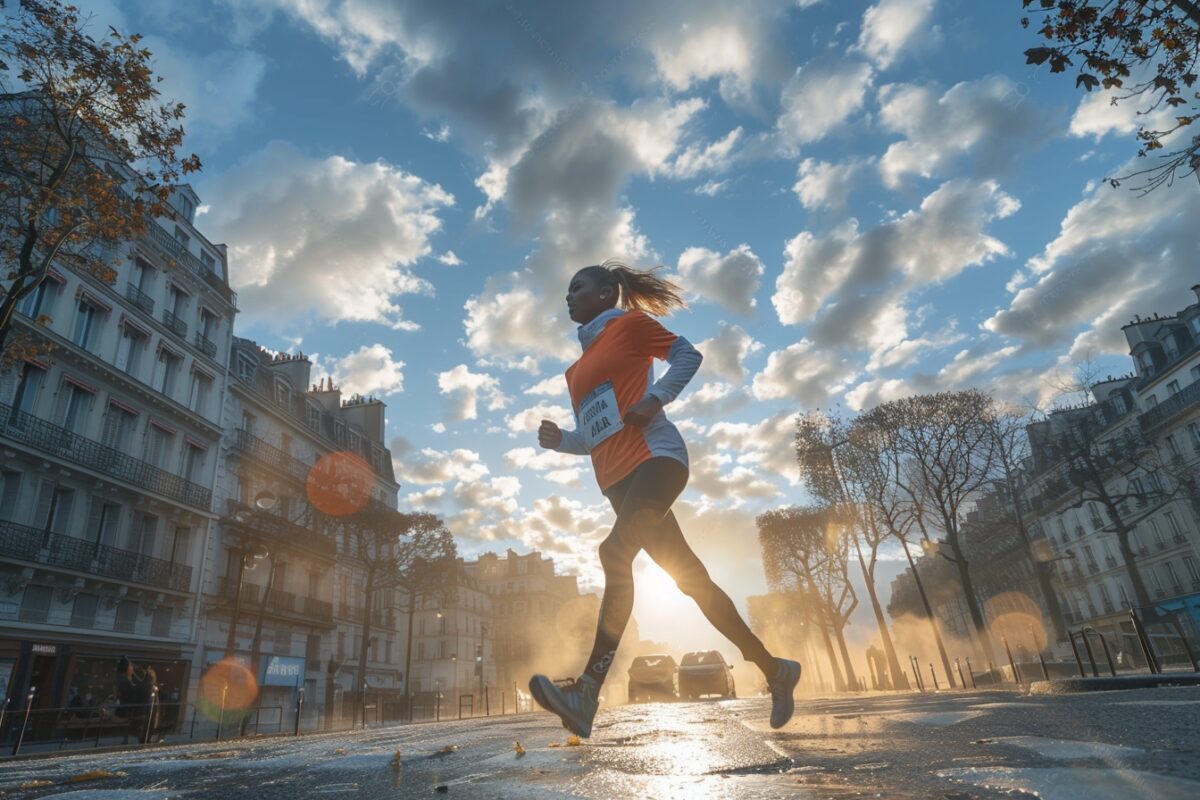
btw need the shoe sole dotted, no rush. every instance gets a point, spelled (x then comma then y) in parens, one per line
(542, 688)
(793, 679)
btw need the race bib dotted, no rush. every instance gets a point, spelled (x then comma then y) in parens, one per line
(599, 417)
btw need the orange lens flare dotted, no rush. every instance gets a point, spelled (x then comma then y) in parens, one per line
(339, 484)
(227, 690)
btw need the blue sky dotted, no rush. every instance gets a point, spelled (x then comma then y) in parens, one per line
(863, 200)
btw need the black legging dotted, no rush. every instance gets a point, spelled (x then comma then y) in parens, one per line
(645, 521)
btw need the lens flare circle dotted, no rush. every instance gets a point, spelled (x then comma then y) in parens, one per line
(339, 484)
(227, 690)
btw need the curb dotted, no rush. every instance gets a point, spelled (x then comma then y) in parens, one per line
(1110, 684)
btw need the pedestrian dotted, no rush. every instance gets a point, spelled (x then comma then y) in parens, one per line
(641, 466)
(127, 695)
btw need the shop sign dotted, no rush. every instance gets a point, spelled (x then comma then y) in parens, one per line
(283, 671)
(45, 649)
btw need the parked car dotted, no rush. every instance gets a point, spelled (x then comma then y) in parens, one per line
(705, 672)
(652, 677)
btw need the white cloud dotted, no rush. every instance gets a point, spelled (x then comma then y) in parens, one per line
(802, 374)
(429, 466)
(369, 370)
(987, 120)
(725, 354)
(449, 259)
(713, 157)
(328, 238)
(820, 184)
(819, 98)
(730, 280)
(465, 388)
(539, 460)
(891, 25)
(554, 386)
(711, 188)
(528, 420)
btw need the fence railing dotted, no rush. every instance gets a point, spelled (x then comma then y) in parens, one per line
(58, 550)
(50, 438)
(139, 298)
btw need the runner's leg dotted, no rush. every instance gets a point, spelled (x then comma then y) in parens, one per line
(670, 551)
(640, 500)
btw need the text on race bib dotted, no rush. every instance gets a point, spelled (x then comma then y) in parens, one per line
(599, 417)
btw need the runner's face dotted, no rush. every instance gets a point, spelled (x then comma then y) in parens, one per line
(586, 298)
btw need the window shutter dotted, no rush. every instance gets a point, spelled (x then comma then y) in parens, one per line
(45, 495)
(95, 520)
(62, 514)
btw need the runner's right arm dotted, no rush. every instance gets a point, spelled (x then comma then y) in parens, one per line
(572, 442)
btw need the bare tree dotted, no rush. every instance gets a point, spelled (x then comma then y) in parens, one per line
(1008, 427)
(950, 453)
(837, 470)
(804, 552)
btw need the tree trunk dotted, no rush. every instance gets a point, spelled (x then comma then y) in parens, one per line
(937, 635)
(364, 647)
(839, 628)
(983, 638)
(897, 678)
(412, 607)
(1127, 554)
(1041, 570)
(839, 683)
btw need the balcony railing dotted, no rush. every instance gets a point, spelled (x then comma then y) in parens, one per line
(206, 345)
(139, 298)
(58, 441)
(278, 601)
(174, 323)
(270, 528)
(57, 550)
(1176, 403)
(175, 251)
(270, 454)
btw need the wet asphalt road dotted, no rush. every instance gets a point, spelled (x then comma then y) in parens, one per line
(1133, 744)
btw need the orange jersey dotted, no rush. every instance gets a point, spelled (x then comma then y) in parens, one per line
(613, 374)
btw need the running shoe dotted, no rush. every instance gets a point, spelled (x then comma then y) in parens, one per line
(782, 686)
(575, 704)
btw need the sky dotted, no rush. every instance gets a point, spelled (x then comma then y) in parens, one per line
(861, 200)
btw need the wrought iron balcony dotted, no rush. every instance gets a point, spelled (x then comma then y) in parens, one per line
(1185, 398)
(176, 252)
(56, 550)
(278, 601)
(174, 323)
(139, 298)
(269, 528)
(58, 441)
(206, 345)
(270, 454)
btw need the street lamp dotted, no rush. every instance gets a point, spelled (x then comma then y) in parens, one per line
(247, 560)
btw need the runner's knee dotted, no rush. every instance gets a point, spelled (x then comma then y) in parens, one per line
(616, 558)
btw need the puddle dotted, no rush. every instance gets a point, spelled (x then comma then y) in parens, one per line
(937, 718)
(1061, 783)
(1168, 703)
(1068, 750)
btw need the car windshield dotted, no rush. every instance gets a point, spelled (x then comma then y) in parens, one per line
(696, 659)
(650, 661)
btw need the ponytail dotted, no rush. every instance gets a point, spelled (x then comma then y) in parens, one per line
(640, 290)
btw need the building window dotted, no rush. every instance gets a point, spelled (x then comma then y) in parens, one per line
(193, 462)
(198, 392)
(314, 417)
(1172, 445)
(179, 543)
(182, 237)
(283, 394)
(160, 623)
(209, 262)
(87, 324)
(83, 610)
(168, 369)
(208, 324)
(1173, 526)
(1172, 388)
(126, 618)
(28, 387)
(103, 522)
(54, 508)
(130, 349)
(245, 368)
(41, 300)
(1189, 563)
(158, 443)
(118, 428)
(1119, 405)
(35, 604)
(75, 406)
(1194, 430)
(1172, 577)
(10, 487)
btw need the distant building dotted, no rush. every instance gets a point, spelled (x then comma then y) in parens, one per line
(278, 427)
(108, 451)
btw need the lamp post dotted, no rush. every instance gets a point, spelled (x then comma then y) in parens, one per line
(248, 558)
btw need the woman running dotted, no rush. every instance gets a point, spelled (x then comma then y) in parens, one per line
(641, 465)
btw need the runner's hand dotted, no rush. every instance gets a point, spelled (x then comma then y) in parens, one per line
(640, 414)
(549, 435)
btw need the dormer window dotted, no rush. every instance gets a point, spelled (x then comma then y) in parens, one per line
(1146, 361)
(245, 368)
(283, 394)
(1119, 405)
(314, 417)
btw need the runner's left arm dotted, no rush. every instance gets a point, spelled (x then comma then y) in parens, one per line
(658, 342)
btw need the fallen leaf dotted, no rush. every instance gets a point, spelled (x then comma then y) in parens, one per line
(341, 751)
(447, 750)
(38, 784)
(520, 751)
(555, 744)
(396, 759)
(94, 774)
(574, 741)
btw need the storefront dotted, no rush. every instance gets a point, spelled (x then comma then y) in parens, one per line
(71, 678)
